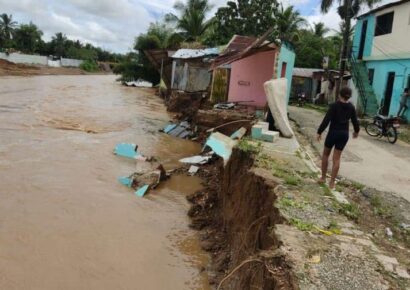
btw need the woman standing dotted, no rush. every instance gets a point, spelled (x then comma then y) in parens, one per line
(338, 115)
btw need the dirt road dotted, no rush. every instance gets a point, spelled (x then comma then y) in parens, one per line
(371, 161)
(65, 221)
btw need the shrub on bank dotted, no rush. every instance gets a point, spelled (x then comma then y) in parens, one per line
(89, 65)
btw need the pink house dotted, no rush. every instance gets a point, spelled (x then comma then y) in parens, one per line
(248, 76)
(253, 61)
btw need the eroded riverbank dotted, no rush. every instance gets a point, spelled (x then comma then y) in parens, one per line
(65, 222)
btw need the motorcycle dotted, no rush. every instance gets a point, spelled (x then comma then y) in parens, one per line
(301, 99)
(383, 126)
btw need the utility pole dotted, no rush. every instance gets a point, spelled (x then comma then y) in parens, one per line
(345, 47)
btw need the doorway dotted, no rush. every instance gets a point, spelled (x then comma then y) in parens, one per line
(388, 93)
(362, 39)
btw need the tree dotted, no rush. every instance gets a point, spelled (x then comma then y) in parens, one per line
(27, 38)
(58, 42)
(287, 23)
(346, 10)
(7, 26)
(243, 17)
(319, 29)
(191, 21)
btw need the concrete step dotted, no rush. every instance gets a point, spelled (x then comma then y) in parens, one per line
(269, 136)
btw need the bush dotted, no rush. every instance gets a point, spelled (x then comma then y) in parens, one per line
(89, 65)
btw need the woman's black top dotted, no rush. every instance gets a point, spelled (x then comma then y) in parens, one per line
(339, 115)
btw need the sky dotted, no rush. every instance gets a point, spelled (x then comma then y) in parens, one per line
(113, 24)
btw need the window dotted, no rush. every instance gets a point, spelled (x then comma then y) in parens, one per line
(371, 75)
(384, 24)
(283, 71)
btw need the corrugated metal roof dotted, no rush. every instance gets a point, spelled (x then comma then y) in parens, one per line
(305, 72)
(243, 46)
(185, 53)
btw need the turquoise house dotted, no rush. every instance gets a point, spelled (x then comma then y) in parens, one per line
(381, 58)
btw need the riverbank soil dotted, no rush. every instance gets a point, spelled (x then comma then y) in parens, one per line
(371, 161)
(12, 69)
(65, 220)
(269, 225)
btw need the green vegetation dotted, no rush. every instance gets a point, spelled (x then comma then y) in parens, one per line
(89, 65)
(247, 146)
(351, 210)
(301, 225)
(292, 180)
(379, 208)
(291, 203)
(27, 38)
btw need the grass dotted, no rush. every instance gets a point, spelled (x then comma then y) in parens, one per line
(287, 202)
(378, 207)
(326, 190)
(292, 180)
(301, 225)
(351, 211)
(249, 147)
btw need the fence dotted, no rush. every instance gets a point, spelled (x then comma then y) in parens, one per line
(40, 60)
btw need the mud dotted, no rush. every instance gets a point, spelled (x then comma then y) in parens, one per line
(235, 214)
(65, 221)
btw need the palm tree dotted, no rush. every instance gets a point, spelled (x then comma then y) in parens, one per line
(347, 9)
(319, 29)
(288, 22)
(7, 26)
(191, 19)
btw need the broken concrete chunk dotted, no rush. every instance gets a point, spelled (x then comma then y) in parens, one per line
(277, 100)
(142, 190)
(237, 135)
(222, 145)
(198, 159)
(193, 170)
(127, 150)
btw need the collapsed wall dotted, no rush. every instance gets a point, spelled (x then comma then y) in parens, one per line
(236, 216)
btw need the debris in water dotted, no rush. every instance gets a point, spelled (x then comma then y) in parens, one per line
(145, 181)
(142, 190)
(198, 159)
(127, 150)
(181, 130)
(193, 170)
(222, 145)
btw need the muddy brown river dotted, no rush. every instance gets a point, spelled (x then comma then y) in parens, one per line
(65, 221)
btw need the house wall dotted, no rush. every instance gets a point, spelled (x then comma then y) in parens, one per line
(248, 76)
(190, 76)
(397, 42)
(369, 36)
(381, 69)
(387, 46)
(287, 55)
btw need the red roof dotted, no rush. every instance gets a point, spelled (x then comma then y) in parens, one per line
(243, 46)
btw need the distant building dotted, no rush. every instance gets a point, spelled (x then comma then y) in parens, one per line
(381, 57)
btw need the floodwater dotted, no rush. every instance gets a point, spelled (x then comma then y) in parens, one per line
(65, 221)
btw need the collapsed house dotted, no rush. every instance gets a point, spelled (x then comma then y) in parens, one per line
(251, 62)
